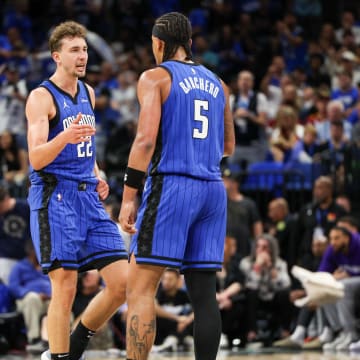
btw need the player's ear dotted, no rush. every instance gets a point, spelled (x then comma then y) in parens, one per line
(56, 56)
(160, 45)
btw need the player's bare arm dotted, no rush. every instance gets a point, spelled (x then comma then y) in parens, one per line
(229, 132)
(151, 91)
(153, 88)
(39, 109)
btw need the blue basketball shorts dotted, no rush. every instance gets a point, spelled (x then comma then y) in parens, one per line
(71, 229)
(181, 223)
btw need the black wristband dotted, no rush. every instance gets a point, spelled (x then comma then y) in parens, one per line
(134, 178)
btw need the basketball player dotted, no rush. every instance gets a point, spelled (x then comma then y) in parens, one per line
(184, 129)
(70, 229)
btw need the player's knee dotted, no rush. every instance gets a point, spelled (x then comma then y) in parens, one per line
(117, 291)
(135, 293)
(64, 294)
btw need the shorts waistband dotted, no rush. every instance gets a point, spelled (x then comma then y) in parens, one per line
(75, 185)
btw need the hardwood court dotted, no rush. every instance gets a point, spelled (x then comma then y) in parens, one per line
(264, 354)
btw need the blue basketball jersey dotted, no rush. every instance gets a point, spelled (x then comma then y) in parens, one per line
(76, 161)
(191, 136)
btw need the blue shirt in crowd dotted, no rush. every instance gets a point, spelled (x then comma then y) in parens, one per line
(348, 97)
(24, 278)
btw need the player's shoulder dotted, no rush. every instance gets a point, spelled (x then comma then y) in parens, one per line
(39, 94)
(155, 75)
(40, 91)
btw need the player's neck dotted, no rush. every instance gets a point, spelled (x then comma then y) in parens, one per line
(65, 82)
(181, 55)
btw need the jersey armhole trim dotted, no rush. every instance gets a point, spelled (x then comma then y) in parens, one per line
(168, 71)
(88, 93)
(54, 120)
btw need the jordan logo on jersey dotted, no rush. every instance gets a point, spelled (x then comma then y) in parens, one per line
(65, 104)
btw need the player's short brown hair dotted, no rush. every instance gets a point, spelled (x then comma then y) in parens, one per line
(66, 29)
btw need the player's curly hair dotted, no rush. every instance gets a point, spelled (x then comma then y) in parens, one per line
(175, 30)
(66, 29)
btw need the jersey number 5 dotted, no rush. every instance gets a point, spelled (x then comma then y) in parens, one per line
(200, 105)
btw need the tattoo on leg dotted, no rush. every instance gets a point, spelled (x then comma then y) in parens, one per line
(139, 338)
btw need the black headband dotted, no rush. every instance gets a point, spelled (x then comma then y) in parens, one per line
(158, 32)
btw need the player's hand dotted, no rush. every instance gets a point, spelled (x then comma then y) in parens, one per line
(127, 217)
(77, 133)
(102, 188)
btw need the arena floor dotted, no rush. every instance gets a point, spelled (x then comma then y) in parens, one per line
(262, 354)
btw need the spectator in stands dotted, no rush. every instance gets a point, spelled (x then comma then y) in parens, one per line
(291, 42)
(14, 162)
(335, 112)
(243, 219)
(352, 168)
(306, 150)
(318, 216)
(286, 134)
(322, 99)
(230, 282)
(317, 75)
(348, 42)
(332, 154)
(32, 291)
(300, 82)
(296, 340)
(306, 314)
(13, 93)
(16, 51)
(14, 231)
(327, 37)
(249, 112)
(349, 63)
(342, 259)
(291, 95)
(308, 105)
(274, 73)
(17, 15)
(348, 24)
(267, 284)
(274, 88)
(346, 92)
(174, 316)
(124, 97)
(282, 227)
(108, 76)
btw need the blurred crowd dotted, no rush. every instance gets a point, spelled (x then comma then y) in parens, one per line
(293, 68)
